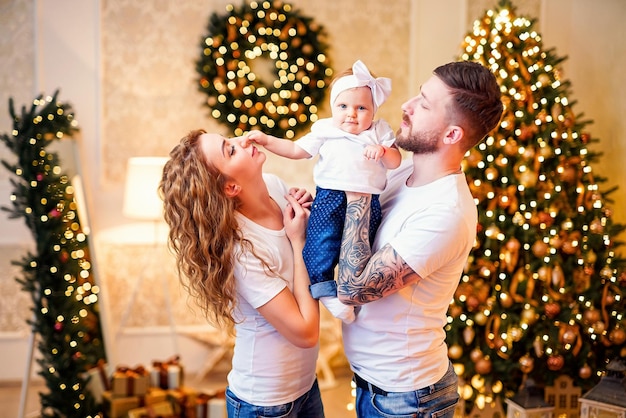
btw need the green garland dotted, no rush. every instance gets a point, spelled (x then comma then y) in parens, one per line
(58, 275)
(249, 37)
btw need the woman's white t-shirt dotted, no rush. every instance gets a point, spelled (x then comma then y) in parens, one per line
(267, 369)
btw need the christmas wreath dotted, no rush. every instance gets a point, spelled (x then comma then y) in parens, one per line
(264, 66)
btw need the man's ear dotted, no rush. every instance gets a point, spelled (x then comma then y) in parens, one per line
(453, 135)
(232, 189)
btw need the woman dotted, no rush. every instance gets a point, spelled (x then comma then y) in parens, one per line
(238, 236)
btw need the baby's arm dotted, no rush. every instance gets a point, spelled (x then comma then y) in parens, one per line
(279, 146)
(390, 157)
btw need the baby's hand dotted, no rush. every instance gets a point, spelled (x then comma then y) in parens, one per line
(374, 152)
(257, 137)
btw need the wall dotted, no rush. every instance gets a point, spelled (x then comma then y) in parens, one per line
(129, 74)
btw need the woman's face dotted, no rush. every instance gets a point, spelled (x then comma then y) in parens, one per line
(230, 157)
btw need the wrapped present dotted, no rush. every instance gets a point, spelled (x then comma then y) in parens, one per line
(180, 398)
(157, 410)
(98, 380)
(155, 395)
(207, 405)
(118, 407)
(167, 374)
(130, 382)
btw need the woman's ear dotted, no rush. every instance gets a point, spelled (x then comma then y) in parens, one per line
(454, 134)
(232, 189)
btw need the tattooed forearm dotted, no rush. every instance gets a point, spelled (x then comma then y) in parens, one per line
(363, 278)
(355, 247)
(385, 273)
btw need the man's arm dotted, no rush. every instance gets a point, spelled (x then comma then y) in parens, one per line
(364, 277)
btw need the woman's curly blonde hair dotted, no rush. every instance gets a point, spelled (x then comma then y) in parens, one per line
(204, 232)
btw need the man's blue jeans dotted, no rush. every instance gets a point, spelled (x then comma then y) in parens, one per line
(308, 405)
(435, 401)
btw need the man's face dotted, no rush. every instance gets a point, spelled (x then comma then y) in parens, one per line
(424, 118)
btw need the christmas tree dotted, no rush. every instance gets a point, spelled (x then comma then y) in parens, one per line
(58, 274)
(543, 293)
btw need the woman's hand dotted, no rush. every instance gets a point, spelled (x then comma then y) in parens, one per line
(304, 198)
(295, 218)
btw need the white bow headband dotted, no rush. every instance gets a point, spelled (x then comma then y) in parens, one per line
(361, 77)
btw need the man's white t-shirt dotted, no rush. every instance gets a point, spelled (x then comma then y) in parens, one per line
(267, 369)
(398, 342)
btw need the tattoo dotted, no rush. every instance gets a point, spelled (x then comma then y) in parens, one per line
(364, 277)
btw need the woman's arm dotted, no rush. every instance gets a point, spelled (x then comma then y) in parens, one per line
(295, 315)
(365, 277)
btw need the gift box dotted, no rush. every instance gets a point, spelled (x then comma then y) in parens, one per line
(155, 395)
(207, 405)
(157, 410)
(180, 398)
(118, 407)
(98, 380)
(167, 374)
(130, 382)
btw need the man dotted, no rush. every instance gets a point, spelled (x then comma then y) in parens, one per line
(405, 282)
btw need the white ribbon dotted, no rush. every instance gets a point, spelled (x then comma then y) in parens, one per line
(361, 77)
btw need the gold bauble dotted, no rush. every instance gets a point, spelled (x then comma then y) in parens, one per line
(591, 316)
(540, 249)
(527, 363)
(569, 336)
(476, 354)
(528, 178)
(585, 371)
(506, 300)
(529, 316)
(480, 318)
(455, 351)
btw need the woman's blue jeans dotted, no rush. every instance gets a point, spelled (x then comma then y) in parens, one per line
(434, 401)
(308, 405)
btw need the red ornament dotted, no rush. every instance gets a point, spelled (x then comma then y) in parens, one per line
(483, 366)
(555, 362)
(58, 326)
(552, 310)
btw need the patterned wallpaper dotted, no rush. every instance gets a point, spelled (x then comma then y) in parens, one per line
(149, 92)
(17, 52)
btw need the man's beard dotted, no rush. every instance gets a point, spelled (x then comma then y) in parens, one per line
(420, 142)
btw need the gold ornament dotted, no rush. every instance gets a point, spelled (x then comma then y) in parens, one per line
(476, 354)
(455, 351)
(617, 336)
(585, 371)
(527, 364)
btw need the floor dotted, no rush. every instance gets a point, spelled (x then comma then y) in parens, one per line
(336, 394)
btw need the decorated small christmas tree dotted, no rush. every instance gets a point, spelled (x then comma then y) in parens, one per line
(58, 273)
(542, 294)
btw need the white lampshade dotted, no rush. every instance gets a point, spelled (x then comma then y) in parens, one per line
(141, 198)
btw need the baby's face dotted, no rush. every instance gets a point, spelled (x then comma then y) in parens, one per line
(353, 110)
